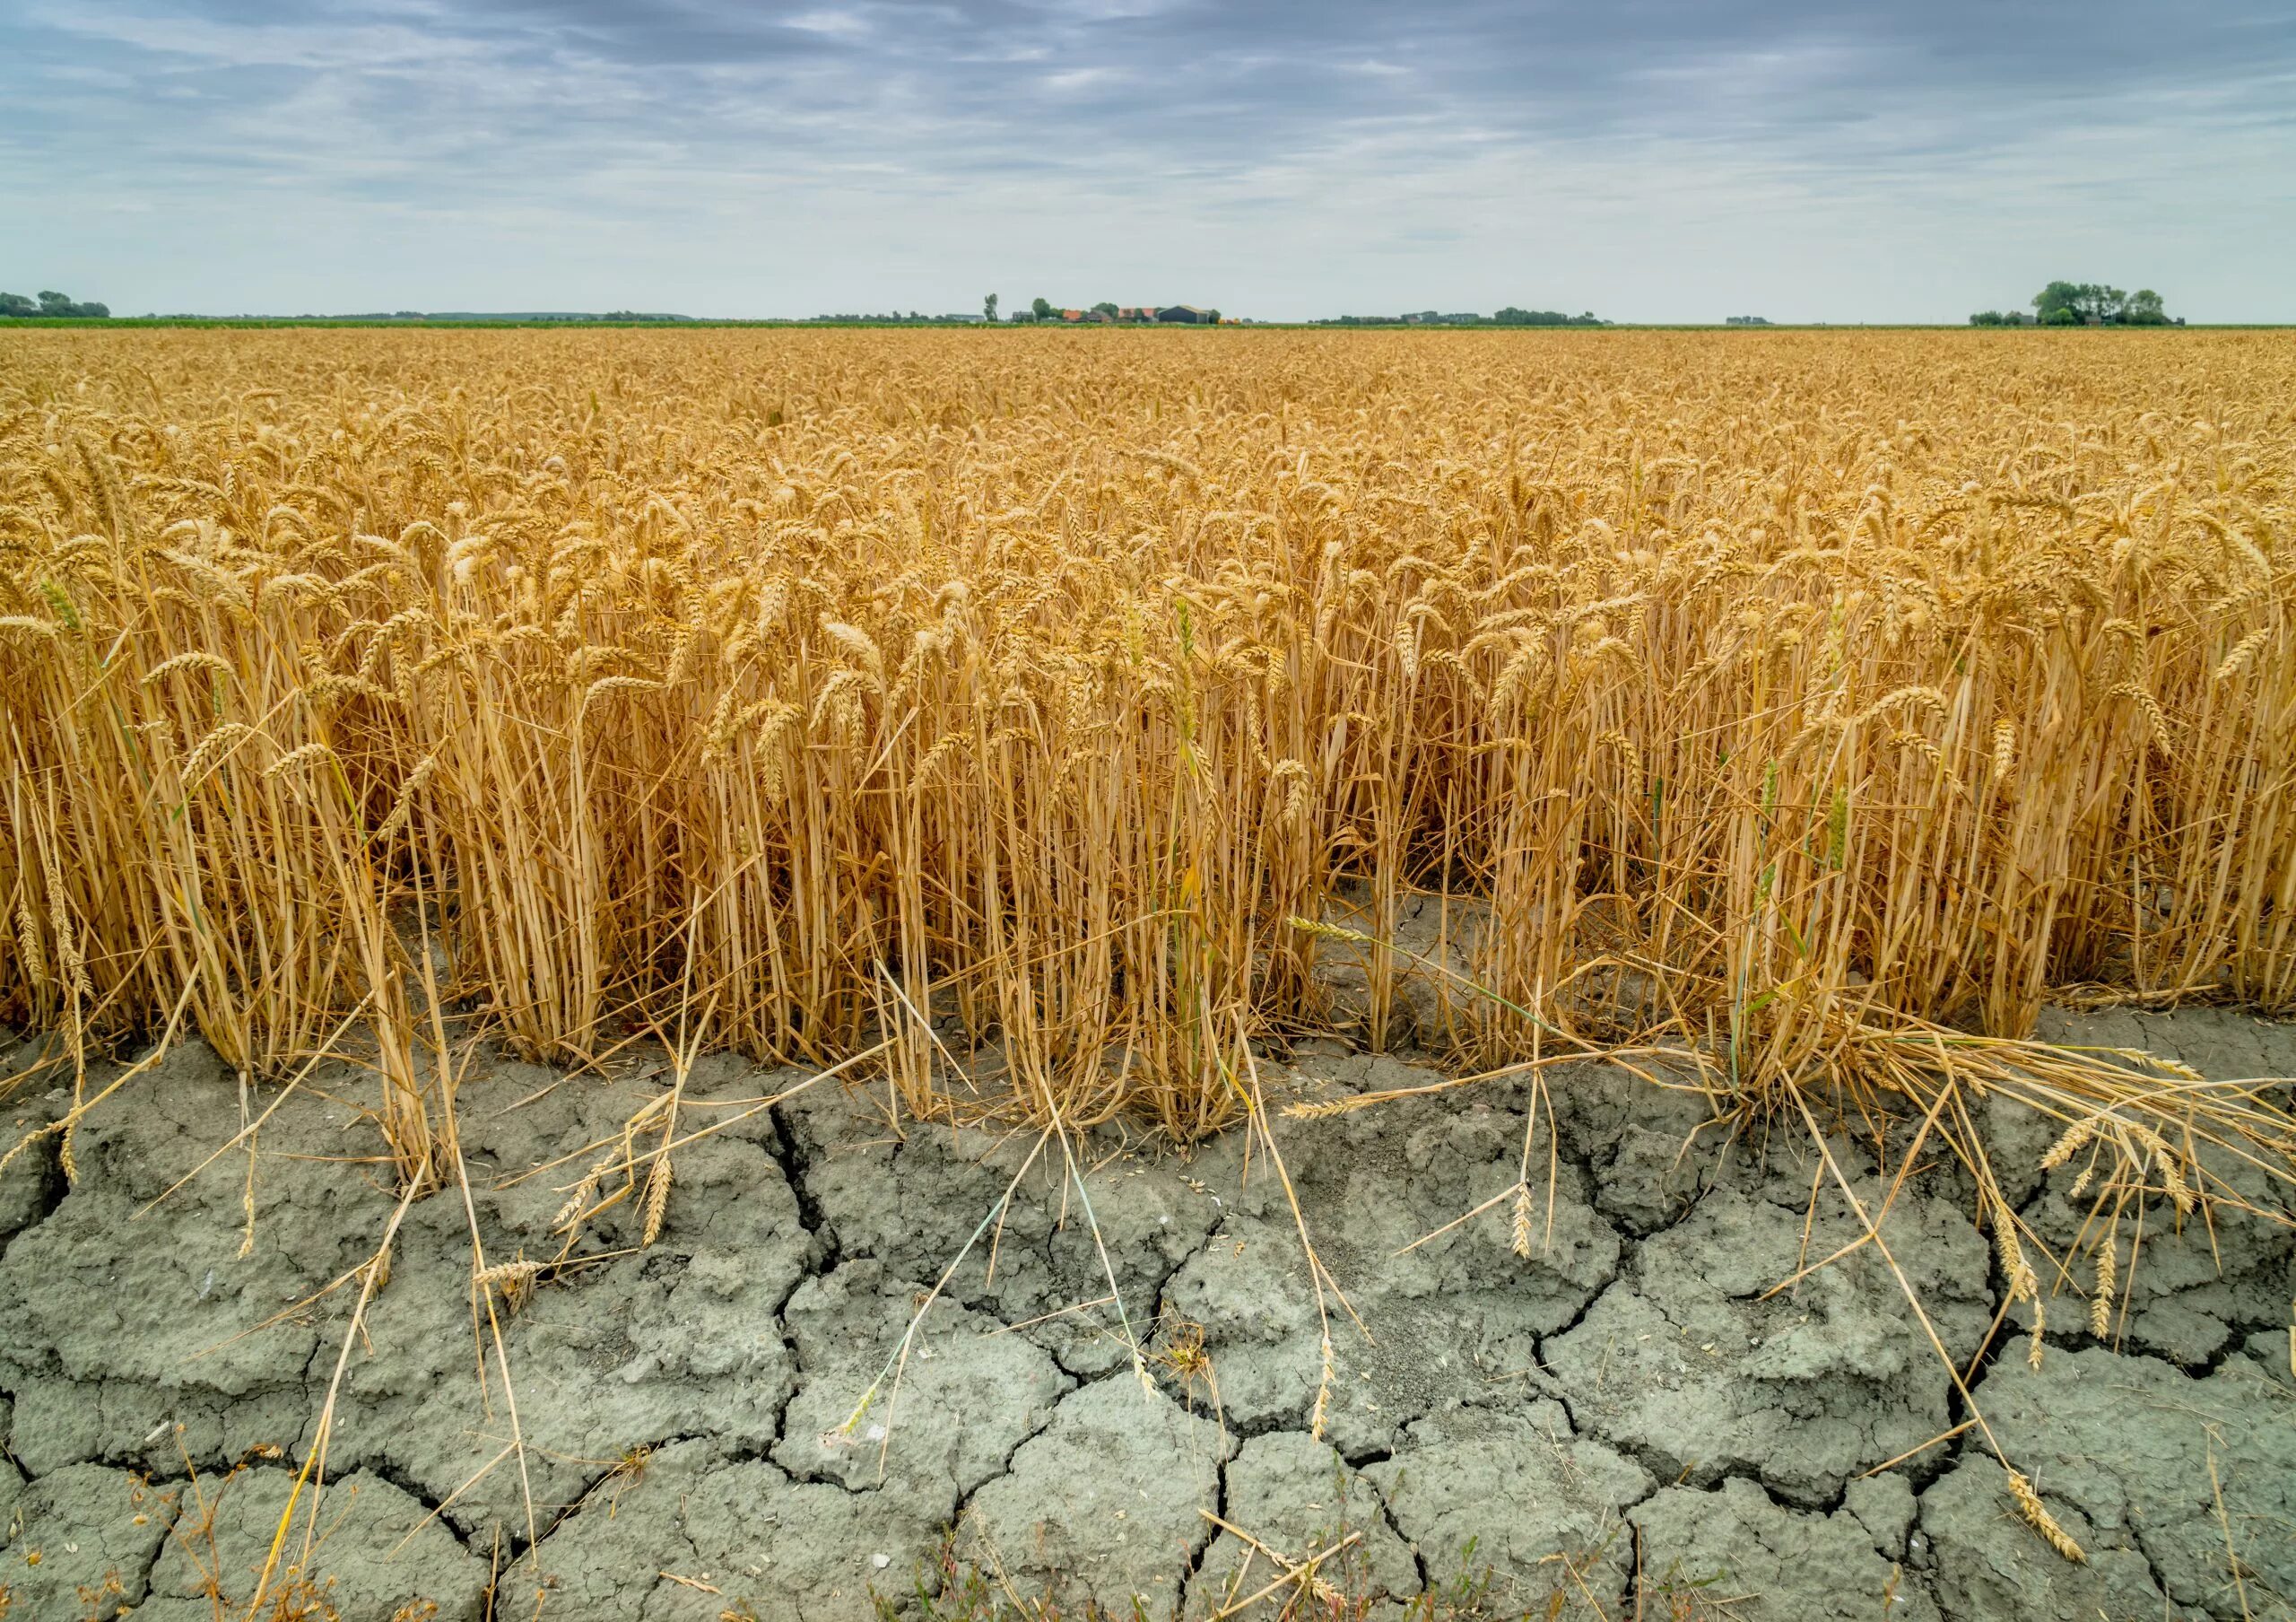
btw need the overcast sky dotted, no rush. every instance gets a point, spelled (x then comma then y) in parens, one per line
(1649, 160)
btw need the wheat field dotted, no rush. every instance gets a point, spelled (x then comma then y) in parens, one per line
(1128, 700)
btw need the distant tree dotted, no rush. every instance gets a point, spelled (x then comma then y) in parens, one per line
(1211, 316)
(1043, 309)
(1105, 308)
(2145, 308)
(51, 304)
(2077, 303)
(1988, 318)
(2056, 296)
(988, 308)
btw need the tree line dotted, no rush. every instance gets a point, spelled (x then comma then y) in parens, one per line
(1106, 310)
(50, 304)
(2084, 304)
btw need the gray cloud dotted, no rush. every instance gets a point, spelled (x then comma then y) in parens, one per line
(1827, 158)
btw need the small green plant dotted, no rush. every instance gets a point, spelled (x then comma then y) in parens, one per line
(1466, 1594)
(1685, 1598)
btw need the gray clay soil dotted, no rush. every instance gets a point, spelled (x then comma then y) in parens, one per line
(1625, 1424)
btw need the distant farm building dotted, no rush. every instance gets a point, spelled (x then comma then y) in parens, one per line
(1186, 313)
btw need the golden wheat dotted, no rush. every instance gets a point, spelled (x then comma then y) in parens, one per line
(2036, 1512)
(1036, 684)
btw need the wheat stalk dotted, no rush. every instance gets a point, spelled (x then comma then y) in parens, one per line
(2037, 1515)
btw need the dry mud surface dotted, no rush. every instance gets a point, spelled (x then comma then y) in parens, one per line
(1625, 1424)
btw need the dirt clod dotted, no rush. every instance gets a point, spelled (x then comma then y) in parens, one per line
(1104, 1504)
(1515, 1504)
(1736, 1552)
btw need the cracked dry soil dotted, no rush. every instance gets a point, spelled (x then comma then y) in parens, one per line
(1625, 1424)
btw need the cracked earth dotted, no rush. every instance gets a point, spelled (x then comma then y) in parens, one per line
(1629, 1422)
